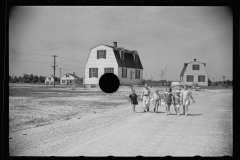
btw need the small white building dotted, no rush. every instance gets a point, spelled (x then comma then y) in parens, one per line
(69, 79)
(123, 63)
(194, 72)
(175, 84)
(49, 80)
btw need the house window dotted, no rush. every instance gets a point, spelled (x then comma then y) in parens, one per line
(101, 54)
(121, 55)
(137, 74)
(189, 78)
(108, 70)
(124, 72)
(135, 57)
(195, 67)
(201, 78)
(63, 81)
(93, 72)
(49, 78)
(67, 75)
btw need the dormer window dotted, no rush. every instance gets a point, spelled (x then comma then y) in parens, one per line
(135, 57)
(195, 67)
(101, 54)
(121, 55)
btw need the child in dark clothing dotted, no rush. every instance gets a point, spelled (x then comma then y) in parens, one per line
(133, 100)
(168, 98)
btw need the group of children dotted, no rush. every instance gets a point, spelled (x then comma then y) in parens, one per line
(181, 97)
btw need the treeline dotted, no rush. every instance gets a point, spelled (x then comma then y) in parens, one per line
(27, 79)
(35, 79)
(157, 83)
(220, 83)
(169, 83)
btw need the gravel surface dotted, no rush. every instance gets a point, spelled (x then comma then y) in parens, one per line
(206, 131)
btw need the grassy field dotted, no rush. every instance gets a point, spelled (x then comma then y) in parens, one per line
(31, 106)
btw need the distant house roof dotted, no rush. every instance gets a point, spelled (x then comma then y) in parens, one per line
(71, 75)
(128, 61)
(185, 66)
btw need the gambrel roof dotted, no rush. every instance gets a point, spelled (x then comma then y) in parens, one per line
(184, 69)
(128, 61)
(185, 66)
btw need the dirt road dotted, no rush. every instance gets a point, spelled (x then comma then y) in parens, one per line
(206, 131)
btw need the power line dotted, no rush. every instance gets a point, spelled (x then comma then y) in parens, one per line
(31, 61)
(68, 69)
(70, 65)
(72, 60)
(31, 54)
(28, 67)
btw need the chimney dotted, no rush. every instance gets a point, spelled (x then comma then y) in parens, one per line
(74, 73)
(115, 44)
(194, 60)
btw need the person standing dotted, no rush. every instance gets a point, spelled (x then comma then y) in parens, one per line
(181, 93)
(177, 102)
(186, 99)
(133, 100)
(146, 98)
(156, 101)
(168, 98)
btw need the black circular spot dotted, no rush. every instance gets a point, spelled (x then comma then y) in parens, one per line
(109, 83)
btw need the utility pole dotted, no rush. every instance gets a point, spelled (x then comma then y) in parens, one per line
(60, 74)
(54, 67)
(151, 80)
(223, 78)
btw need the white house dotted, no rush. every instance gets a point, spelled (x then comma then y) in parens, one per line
(194, 72)
(124, 63)
(69, 78)
(49, 80)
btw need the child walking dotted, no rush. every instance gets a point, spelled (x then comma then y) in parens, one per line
(168, 98)
(156, 100)
(177, 101)
(185, 99)
(133, 100)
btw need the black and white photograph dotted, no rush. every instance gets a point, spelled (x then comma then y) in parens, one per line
(149, 81)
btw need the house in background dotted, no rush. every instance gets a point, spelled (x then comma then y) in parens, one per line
(123, 63)
(194, 72)
(49, 80)
(175, 84)
(69, 79)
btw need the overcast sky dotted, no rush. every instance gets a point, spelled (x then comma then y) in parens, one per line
(161, 35)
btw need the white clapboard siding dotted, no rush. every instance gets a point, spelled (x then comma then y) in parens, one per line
(189, 71)
(128, 80)
(66, 78)
(93, 62)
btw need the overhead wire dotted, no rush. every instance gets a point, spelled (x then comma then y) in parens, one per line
(32, 61)
(69, 65)
(30, 54)
(71, 59)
